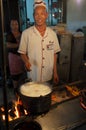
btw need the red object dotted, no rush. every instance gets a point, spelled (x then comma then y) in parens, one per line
(54, 5)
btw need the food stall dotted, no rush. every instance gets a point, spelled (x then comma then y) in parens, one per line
(65, 108)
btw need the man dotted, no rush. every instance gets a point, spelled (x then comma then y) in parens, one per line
(38, 47)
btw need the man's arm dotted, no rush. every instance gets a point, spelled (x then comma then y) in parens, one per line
(26, 61)
(55, 74)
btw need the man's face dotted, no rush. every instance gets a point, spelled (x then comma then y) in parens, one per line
(40, 15)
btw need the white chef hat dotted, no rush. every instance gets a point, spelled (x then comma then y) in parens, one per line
(39, 3)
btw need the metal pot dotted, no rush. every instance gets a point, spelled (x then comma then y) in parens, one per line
(36, 97)
(30, 125)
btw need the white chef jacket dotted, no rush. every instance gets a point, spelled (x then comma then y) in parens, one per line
(40, 51)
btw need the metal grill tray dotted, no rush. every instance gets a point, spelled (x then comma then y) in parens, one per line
(65, 116)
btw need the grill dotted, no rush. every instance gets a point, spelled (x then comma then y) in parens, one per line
(65, 112)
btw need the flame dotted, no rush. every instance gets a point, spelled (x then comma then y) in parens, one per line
(2, 109)
(15, 111)
(3, 117)
(25, 112)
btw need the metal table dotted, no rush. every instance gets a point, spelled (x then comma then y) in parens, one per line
(65, 116)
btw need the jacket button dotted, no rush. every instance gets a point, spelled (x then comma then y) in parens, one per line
(43, 58)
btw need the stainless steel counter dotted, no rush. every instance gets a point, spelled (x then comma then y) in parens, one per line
(65, 116)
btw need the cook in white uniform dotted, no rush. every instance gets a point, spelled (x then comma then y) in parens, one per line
(38, 47)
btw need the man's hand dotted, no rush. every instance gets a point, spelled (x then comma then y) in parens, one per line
(28, 66)
(26, 62)
(55, 78)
